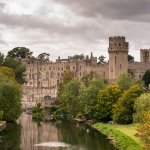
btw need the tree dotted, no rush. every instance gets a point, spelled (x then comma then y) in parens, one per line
(10, 99)
(124, 81)
(141, 106)
(146, 78)
(43, 57)
(88, 98)
(69, 98)
(101, 60)
(17, 67)
(106, 99)
(87, 78)
(20, 53)
(123, 110)
(130, 58)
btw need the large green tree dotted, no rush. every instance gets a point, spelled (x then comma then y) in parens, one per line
(19, 53)
(17, 67)
(10, 98)
(88, 97)
(106, 99)
(124, 108)
(69, 98)
(43, 57)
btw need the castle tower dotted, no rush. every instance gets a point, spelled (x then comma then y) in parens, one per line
(145, 55)
(118, 56)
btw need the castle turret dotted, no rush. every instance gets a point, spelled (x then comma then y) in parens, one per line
(145, 55)
(118, 56)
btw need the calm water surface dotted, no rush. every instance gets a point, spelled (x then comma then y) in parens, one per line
(29, 135)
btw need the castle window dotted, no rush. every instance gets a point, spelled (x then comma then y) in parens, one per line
(32, 76)
(115, 60)
(120, 66)
(62, 68)
(139, 76)
(119, 44)
(73, 67)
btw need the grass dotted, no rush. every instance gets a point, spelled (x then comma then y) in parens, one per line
(124, 135)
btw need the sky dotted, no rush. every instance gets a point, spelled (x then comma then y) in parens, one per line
(68, 27)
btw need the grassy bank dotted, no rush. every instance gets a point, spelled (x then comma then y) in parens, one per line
(123, 135)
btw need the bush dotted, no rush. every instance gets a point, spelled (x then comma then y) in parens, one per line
(38, 116)
(123, 109)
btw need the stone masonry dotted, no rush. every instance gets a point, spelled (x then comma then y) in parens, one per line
(43, 78)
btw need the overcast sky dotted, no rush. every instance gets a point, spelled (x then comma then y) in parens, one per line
(68, 27)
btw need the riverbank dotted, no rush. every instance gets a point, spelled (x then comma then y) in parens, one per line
(123, 136)
(2, 125)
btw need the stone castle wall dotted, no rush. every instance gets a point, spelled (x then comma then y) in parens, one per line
(44, 78)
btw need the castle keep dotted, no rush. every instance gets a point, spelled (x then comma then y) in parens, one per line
(43, 78)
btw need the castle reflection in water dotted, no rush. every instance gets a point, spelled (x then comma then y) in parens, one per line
(33, 133)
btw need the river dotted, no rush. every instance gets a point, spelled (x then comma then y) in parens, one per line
(30, 135)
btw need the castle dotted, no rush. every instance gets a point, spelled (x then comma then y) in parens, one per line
(43, 78)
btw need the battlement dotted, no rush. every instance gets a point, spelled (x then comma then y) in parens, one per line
(117, 39)
(144, 50)
(118, 44)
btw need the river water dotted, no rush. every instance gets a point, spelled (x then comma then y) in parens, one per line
(30, 135)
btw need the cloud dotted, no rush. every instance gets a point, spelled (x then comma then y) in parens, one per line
(137, 10)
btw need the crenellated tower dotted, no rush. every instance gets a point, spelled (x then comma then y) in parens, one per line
(145, 55)
(118, 56)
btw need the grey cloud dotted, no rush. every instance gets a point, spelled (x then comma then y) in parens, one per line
(86, 29)
(114, 9)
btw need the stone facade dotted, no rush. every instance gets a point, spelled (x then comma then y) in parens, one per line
(43, 78)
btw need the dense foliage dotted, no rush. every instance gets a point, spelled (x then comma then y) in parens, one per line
(106, 99)
(141, 106)
(88, 98)
(124, 81)
(69, 98)
(124, 108)
(146, 78)
(10, 99)
(19, 53)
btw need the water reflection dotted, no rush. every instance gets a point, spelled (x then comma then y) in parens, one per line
(50, 136)
(10, 138)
